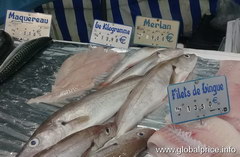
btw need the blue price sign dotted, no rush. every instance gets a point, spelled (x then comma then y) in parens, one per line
(111, 34)
(197, 99)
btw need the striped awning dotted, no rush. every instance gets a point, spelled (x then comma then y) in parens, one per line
(73, 19)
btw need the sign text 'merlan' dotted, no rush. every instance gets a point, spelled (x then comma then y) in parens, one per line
(160, 24)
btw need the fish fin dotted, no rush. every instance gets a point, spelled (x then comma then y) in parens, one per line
(101, 78)
(89, 150)
(76, 121)
(138, 152)
(113, 141)
(130, 66)
(173, 75)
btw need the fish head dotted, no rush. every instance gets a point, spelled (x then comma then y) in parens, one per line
(183, 66)
(106, 132)
(45, 136)
(168, 54)
(140, 134)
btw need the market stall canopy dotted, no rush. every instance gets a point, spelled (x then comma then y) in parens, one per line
(73, 19)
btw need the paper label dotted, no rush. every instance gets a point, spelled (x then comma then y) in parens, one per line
(26, 25)
(156, 32)
(110, 34)
(198, 99)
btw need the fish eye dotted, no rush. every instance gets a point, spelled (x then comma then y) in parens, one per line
(34, 142)
(140, 134)
(174, 66)
(187, 56)
(63, 123)
(107, 131)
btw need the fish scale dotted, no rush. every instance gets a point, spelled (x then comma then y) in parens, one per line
(22, 54)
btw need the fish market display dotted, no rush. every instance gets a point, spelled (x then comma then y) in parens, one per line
(148, 63)
(144, 98)
(130, 61)
(6, 45)
(231, 69)
(81, 142)
(92, 110)
(21, 55)
(122, 99)
(213, 132)
(128, 145)
(79, 73)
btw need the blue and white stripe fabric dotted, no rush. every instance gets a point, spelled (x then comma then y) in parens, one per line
(73, 19)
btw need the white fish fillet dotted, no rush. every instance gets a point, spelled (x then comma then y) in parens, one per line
(231, 69)
(214, 132)
(144, 98)
(129, 61)
(79, 73)
(148, 63)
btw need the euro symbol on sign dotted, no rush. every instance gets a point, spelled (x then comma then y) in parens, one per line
(170, 37)
(215, 100)
(123, 40)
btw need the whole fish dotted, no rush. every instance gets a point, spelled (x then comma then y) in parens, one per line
(78, 143)
(129, 61)
(144, 98)
(150, 92)
(6, 45)
(21, 55)
(92, 110)
(127, 145)
(78, 75)
(148, 63)
(183, 66)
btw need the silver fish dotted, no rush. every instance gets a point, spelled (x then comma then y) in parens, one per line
(148, 63)
(21, 55)
(129, 61)
(127, 145)
(92, 110)
(80, 142)
(144, 98)
(183, 66)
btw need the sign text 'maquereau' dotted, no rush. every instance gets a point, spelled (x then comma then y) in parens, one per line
(21, 18)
